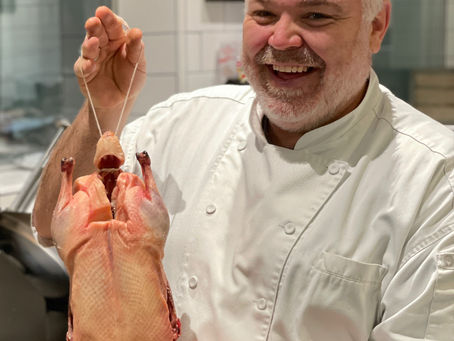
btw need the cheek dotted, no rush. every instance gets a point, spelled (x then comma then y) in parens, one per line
(324, 45)
(334, 50)
(255, 38)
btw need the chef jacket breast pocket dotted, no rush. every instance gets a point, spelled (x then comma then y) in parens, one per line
(343, 294)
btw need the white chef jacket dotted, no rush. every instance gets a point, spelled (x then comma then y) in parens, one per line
(350, 236)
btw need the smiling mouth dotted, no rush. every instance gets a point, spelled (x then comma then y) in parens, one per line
(288, 72)
(292, 69)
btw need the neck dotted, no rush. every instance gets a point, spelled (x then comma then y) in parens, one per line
(279, 137)
(288, 139)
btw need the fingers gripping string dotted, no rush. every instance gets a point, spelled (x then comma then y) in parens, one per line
(125, 26)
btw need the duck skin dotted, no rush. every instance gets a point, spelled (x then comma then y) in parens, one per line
(110, 234)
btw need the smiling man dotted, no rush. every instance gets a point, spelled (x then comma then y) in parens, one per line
(309, 61)
(311, 205)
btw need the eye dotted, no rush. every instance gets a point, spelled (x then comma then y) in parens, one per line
(317, 19)
(317, 16)
(263, 17)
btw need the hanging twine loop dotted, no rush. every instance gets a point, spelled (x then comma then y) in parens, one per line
(126, 28)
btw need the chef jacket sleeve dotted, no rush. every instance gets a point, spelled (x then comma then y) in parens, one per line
(418, 303)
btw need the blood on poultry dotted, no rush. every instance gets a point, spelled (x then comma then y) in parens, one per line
(108, 159)
(110, 233)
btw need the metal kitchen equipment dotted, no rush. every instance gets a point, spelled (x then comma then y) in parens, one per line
(34, 286)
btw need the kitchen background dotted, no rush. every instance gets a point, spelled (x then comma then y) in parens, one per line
(189, 44)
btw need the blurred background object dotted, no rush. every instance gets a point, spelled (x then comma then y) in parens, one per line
(417, 57)
(39, 41)
(34, 286)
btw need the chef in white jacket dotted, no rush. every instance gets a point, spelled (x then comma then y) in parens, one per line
(311, 205)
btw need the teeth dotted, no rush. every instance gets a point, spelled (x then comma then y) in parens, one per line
(290, 69)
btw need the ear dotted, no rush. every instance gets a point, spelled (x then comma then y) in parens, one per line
(379, 27)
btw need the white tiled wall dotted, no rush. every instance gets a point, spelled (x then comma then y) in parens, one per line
(182, 39)
(30, 48)
(151, 16)
(161, 52)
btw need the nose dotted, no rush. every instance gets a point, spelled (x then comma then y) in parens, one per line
(285, 34)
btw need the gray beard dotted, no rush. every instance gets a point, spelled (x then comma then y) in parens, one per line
(292, 109)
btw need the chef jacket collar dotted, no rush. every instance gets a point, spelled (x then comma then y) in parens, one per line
(331, 131)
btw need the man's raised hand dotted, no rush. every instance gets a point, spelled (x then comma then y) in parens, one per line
(109, 54)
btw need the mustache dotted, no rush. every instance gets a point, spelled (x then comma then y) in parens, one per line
(301, 56)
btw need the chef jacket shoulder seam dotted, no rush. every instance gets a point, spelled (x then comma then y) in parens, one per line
(187, 99)
(433, 151)
(411, 137)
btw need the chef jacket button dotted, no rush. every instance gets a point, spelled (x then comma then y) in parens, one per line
(242, 145)
(210, 209)
(333, 168)
(289, 228)
(193, 281)
(261, 304)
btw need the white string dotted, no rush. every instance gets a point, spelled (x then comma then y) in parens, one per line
(91, 101)
(127, 93)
